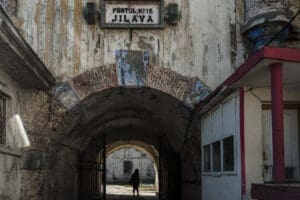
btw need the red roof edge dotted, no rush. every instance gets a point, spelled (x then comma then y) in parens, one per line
(284, 54)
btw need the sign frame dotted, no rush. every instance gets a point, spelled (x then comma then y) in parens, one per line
(103, 23)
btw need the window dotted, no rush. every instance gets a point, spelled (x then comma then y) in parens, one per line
(222, 155)
(291, 143)
(228, 154)
(218, 130)
(2, 120)
(206, 158)
(127, 167)
(216, 156)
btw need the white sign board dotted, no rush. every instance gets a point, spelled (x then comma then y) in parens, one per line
(132, 14)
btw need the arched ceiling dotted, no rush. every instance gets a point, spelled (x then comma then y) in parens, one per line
(126, 114)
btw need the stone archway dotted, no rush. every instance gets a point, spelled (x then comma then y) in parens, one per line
(152, 158)
(92, 104)
(150, 150)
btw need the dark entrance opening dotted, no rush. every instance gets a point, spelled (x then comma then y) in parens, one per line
(140, 117)
(94, 183)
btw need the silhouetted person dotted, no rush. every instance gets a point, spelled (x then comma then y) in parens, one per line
(135, 181)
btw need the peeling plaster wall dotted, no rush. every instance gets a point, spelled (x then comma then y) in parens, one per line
(206, 42)
(10, 6)
(18, 104)
(9, 155)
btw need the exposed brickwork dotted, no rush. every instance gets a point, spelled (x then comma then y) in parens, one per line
(33, 179)
(95, 80)
(39, 121)
(45, 122)
(54, 122)
(168, 82)
(49, 119)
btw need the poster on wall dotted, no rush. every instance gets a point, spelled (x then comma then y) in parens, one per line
(131, 67)
(131, 14)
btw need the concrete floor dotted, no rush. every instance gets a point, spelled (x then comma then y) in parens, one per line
(117, 197)
(116, 192)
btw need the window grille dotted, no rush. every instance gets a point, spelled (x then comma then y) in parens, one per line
(2, 120)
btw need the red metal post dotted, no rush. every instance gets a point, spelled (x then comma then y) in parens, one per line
(242, 133)
(277, 123)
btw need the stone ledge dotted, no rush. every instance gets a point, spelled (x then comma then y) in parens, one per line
(10, 151)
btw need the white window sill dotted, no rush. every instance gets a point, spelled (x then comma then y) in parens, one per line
(219, 174)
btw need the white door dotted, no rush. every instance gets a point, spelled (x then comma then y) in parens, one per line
(291, 144)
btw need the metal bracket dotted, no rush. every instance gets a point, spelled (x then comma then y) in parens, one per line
(89, 13)
(172, 14)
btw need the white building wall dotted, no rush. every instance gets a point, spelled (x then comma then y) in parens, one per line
(254, 132)
(140, 161)
(253, 141)
(218, 124)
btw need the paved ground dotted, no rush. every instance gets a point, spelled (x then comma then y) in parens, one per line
(124, 192)
(116, 197)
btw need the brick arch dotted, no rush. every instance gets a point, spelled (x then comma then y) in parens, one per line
(53, 121)
(68, 95)
(188, 90)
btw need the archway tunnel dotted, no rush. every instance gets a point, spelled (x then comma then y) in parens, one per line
(122, 159)
(140, 117)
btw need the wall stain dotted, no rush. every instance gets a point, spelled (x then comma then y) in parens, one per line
(77, 35)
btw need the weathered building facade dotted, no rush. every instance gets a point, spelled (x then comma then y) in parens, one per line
(122, 163)
(82, 89)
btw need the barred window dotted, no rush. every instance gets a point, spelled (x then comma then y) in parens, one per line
(2, 120)
(127, 167)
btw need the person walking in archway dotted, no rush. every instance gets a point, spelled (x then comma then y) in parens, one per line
(135, 181)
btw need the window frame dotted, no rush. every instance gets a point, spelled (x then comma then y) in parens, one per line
(221, 138)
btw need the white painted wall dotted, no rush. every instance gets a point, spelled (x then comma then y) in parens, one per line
(254, 132)
(264, 94)
(291, 142)
(253, 141)
(217, 124)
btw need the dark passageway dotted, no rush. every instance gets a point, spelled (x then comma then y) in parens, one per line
(145, 118)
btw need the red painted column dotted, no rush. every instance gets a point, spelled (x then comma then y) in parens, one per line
(277, 123)
(242, 135)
